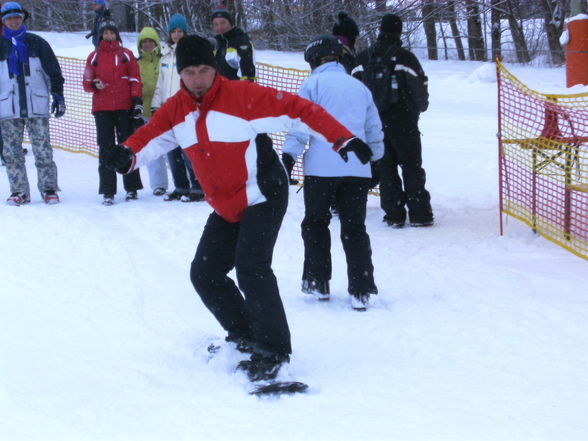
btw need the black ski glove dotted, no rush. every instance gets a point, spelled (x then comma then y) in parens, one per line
(58, 105)
(120, 159)
(357, 146)
(289, 162)
(137, 108)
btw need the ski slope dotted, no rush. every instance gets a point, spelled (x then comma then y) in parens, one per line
(474, 336)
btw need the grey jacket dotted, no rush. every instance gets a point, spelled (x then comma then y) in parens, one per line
(29, 95)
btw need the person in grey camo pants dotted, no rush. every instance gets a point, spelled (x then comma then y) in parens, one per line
(30, 76)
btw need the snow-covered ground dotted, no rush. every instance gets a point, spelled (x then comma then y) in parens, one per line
(474, 336)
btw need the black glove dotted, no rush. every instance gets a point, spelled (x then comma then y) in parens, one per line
(120, 159)
(289, 162)
(137, 108)
(58, 106)
(90, 35)
(375, 174)
(357, 146)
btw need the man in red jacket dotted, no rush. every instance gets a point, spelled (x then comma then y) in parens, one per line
(216, 120)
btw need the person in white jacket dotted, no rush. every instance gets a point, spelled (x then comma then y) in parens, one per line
(187, 187)
(327, 176)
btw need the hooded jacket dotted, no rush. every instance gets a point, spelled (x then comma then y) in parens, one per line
(218, 134)
(168, 82)
(351, 102)
(234, 55)
(149, 63)
(117, 67)
(28, 95)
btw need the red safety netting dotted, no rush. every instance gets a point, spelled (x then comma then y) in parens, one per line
(544, 161)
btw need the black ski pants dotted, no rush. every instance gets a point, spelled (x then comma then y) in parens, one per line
(253, 310)
(402, 142)
(350, 195)
(111, 126)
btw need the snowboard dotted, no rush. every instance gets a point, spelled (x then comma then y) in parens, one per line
(277, 388)
(273, 388)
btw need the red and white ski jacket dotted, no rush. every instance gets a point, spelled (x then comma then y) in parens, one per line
(118, 69)
(218, 134)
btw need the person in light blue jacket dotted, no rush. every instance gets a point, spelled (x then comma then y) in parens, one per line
(328, 176)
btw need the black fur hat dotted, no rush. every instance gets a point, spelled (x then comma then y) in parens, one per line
(346, 27)
(391, 24)
(193, 50)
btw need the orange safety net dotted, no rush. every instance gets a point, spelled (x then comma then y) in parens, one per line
(76, 131)
(543, 153)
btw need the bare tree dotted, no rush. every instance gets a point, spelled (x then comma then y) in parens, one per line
(553, 11)
(429, 11)
(516, 30)
(496, 31)
(452, 18)
(476, 47)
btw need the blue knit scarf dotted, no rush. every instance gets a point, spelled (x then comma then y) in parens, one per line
(20, 52)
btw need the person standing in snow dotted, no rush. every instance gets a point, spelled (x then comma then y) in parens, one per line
(149, 61)
(402, 137)
(30, 76)
(112, 77)
(187, 188)
(234, 52)
(327, 176)
(101, 14)
(346, 31)
(216, 120)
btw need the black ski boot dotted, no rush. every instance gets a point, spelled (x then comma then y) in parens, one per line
(263, 366)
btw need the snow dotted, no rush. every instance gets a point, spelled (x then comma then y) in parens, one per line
(474, 335)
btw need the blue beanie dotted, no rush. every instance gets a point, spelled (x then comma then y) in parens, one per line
(177, 21)
(100, 2)
(12, 9)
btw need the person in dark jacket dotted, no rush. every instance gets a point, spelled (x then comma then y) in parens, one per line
(234, 53)
(402, 138)
(113, 76)
(101, 14)
(346, 31)
(30, 76)
(245, 184)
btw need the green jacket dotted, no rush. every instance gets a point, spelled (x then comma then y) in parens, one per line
(149, 64)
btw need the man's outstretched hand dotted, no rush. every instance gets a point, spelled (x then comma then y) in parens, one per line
(357, 146)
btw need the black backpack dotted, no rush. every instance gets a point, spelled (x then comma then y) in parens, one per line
(393, 88)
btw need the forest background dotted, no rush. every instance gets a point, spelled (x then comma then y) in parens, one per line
(518, 30)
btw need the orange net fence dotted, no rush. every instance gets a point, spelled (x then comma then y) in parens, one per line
(76, 131)
(543, 152)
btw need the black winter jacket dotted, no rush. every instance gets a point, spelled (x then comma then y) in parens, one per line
(235, 52)
(404, 59)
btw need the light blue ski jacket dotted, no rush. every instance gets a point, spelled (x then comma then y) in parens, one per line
(350, 102)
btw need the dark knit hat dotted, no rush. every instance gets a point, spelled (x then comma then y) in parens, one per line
(346, 27)
(193, 50)
(391, 24)
(223, 13)
(108, 25)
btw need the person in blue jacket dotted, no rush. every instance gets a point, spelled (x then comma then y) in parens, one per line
(30, 77)
(101, 14)
(327, 176)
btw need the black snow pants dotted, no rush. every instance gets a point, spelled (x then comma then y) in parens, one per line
(254, 309)
(350, 195)
(403, 148)
(113, 125)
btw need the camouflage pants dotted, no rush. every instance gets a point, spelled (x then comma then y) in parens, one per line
(12, 135)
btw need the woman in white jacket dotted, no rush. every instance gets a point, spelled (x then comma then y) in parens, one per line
(327, 176)
(187, 187)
